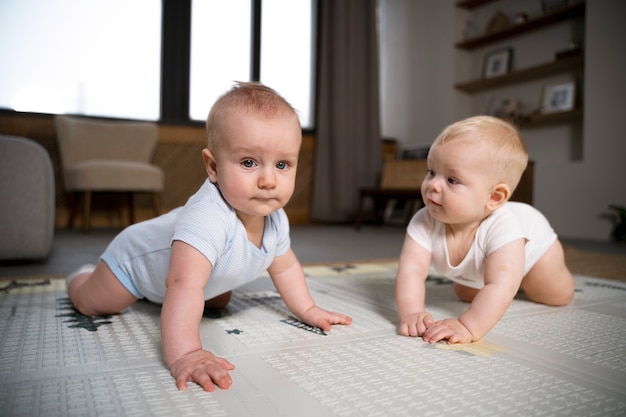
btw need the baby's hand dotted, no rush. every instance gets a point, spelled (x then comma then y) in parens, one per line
(451, 330)
(203, 368)
(324, 319)
(415, 324)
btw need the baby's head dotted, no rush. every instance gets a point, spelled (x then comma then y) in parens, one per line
(254, 139)
(506, 156)
(245, 99)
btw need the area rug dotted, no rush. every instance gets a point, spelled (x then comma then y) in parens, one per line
(601, 265)
(537, 361)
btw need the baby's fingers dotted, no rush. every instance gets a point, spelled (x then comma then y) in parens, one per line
(338, 318)
(214, 374)
(428, 321)
(409, 329)
(326, 319)
(436, 333)
(199, 376)
(202, 378)
(181, 381)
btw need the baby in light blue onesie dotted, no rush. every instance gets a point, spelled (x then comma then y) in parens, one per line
(227, 234)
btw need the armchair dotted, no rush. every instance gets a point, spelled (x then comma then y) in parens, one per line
(107, 156)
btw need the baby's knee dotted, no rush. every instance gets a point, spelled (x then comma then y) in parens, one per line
(221, 301)
(84, 307)
(555, 289)
(464, 293)
(566, 294)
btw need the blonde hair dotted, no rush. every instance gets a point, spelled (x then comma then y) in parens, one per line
(507, 154)
(245, 98)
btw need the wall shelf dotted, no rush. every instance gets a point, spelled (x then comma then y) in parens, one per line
(472, 4)
(539, 119)
(565, 13)
(544, 70)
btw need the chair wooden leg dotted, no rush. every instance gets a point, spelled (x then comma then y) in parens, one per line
(156, 204)
(131, 207)
(86, 221)
(73, 201)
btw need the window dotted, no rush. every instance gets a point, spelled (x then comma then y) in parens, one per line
(222, 51)
(81, 56)
(221, 36)
(287, 53)
(105, 59)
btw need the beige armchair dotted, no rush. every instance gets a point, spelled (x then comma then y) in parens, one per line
(107, 156)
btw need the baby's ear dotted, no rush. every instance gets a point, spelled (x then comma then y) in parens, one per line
(499, 195)
(210, 164)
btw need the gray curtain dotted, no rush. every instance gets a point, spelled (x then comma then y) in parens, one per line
(348, 144)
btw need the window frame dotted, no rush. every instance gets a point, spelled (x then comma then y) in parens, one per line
(175, 63)
(175, 60)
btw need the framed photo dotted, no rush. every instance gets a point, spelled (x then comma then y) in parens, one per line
(558, 97)
(497, 62)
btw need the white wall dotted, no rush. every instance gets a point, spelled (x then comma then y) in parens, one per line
(578, 171)
(417, 68)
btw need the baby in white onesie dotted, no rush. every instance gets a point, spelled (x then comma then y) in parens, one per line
(469, 231)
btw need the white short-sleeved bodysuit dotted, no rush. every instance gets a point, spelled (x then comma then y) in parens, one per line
(510, 222)
(140, 255)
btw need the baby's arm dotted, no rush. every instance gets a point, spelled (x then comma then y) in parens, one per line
(288, 277)
(180, 322)
(413, 267)
(504, 270)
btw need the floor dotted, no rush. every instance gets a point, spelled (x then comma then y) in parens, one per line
(537, 361)
(312, 244)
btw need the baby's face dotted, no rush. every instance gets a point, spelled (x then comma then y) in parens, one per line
(458, 185)
(255, 166)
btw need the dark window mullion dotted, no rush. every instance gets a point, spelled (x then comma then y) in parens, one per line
(175, 60)
(256, 40)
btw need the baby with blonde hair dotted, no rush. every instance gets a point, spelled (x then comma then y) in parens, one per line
(469, 231)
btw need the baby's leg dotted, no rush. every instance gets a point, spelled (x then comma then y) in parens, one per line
(549, 281)
(99, 292)
(466, 294)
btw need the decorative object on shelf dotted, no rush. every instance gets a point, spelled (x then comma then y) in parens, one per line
(509, 109)
(618, 234)
(573, 49)
(497, 62)
(558, 97)
(498, 22)
(520, 18)
(471, 30)
(551, 5)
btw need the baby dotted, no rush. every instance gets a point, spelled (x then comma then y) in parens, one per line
(226, 235)
(489, 247)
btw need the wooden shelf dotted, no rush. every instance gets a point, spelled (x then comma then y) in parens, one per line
(472, 4)
(565, 13)
(544, 119)
(539, 71)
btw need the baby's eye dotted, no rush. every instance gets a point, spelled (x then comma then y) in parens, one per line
(452, 181)
(248, 163)
(282, 165)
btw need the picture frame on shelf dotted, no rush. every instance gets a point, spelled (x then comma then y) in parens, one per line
(558, 97)
(497, 62)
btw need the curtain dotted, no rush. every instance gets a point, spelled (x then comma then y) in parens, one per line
(348, 142)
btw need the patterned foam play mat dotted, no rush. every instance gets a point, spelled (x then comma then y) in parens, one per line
(567, 361)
